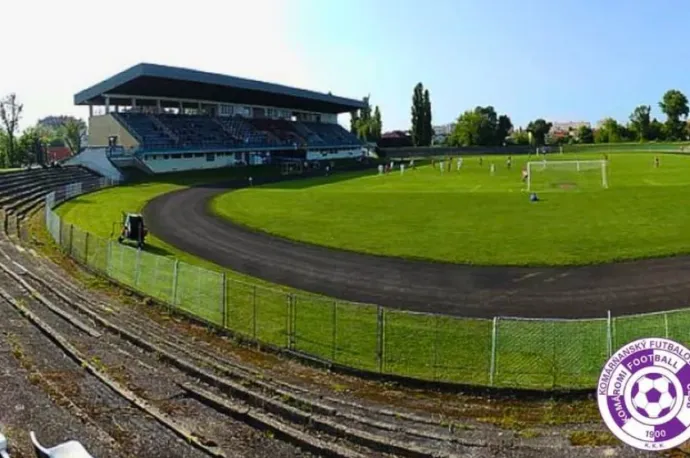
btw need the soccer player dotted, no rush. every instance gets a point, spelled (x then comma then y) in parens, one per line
(402, 168)
(380, 169)
(481, 161)
(440, 166)
(493, 168)
(524, 174)
(412, 164)
(656, 162)
(450, 163)
(509, 162)
(459, 163)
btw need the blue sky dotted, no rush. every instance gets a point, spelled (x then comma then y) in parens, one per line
(560, 59)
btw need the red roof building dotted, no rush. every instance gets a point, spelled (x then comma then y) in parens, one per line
(57, 153)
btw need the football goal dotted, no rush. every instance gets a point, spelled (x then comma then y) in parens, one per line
(564, 175)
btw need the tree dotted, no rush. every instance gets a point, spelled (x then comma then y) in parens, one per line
(418, 113)
(4, 163)
(519, 137)
(656, 130)
(674, 105)
(30, 147)
(72, 132)
(585, 134)
(539, 129)
(366, 126)
(609, 132)
(376, 125)
(427, 130)
(505, 126)
(354, 119)
(467, 129)
(481, 126)
(10, 114)
(640, 122)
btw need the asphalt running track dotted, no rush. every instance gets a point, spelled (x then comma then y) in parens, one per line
(182, 219)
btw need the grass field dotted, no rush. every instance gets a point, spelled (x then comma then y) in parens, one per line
(529, 354)
(471, 216)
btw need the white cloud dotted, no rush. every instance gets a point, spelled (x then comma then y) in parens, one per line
(62, 47)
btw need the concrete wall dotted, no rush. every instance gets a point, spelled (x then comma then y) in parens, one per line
(164, 163)
(96, 159)
(453, 151)
(102, 127)
(343, 154)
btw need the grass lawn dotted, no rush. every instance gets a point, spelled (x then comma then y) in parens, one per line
(470, 216)
(528, 354)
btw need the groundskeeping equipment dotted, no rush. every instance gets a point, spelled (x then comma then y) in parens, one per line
(565, 175)
(132, 228)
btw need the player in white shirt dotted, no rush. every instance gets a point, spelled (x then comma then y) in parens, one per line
(402, 168)
(493, 169)
(459, 163)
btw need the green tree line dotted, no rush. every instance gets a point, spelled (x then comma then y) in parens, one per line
(29, 146)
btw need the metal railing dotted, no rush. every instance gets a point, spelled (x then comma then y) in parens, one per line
(500, 352)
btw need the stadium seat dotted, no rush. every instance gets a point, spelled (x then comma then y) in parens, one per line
(70, 449)
(168, 131)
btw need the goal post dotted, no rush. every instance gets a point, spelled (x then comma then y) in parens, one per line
(554, 175)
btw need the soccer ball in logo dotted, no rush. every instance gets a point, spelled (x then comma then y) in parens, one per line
(653, 395)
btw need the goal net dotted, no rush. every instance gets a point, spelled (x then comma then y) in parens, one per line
(565, 175)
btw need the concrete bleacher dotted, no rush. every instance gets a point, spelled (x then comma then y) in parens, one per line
(22, 193)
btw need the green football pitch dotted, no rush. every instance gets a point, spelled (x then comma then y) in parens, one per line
(474, 216)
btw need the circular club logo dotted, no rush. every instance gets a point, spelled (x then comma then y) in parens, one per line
(643, 394)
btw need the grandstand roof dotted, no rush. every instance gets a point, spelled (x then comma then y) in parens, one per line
(154, 80)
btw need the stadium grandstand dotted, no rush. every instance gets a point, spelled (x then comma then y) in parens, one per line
(162, 119)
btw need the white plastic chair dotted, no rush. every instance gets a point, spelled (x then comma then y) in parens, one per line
(70, 449)
(3, 447)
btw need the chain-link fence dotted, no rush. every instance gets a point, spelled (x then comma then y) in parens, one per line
(505, 352)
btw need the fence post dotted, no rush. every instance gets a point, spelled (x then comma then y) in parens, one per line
(288, 321)
(108, 257)
(86, 248)
(254, 314)
(435, 362)
(379, 336)
(492, 363)
(334, 331)
(224, 296)
(609, 333)
(137, 268)
(174, 283)
(666, 324)
(59, 240)
(71, 238)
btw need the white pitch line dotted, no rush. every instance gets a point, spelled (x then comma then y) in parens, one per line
(475, 188)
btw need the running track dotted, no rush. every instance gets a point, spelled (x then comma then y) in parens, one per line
(182, 219)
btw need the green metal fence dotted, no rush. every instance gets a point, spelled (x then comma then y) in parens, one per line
(501, 352)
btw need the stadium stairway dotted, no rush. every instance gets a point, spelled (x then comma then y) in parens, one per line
(23, 193)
